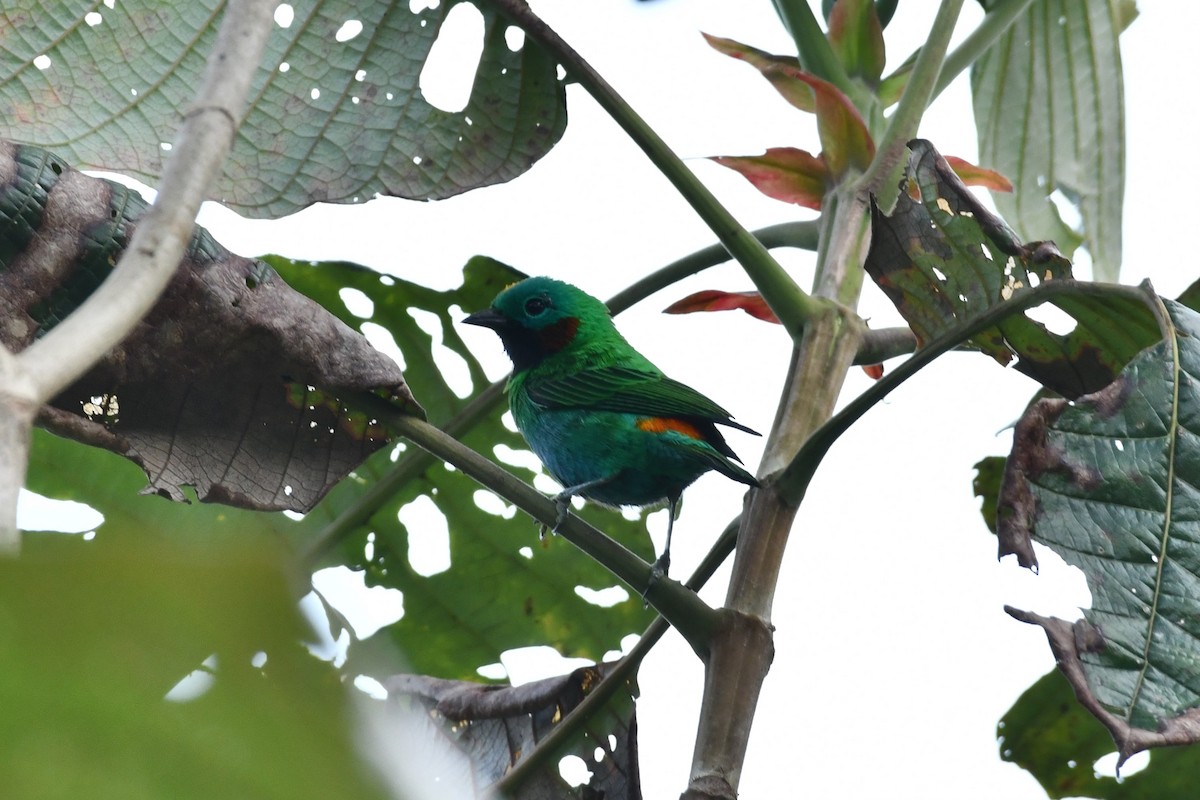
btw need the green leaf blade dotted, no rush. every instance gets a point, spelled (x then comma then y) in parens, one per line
(1108, 483)
(1049, 108)
(331, 119)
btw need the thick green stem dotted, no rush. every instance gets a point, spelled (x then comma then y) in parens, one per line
(917, 95)
(812, 46)
(790, 303)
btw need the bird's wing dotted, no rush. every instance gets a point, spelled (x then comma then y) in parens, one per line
(627, 390)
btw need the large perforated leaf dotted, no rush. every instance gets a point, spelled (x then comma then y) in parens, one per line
(1109, 482)
(336, 112)
(504, 586)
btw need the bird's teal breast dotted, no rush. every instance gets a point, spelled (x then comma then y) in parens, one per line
(642, 463)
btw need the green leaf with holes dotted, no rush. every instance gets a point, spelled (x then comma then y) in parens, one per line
(336, 113)
(1050, 113)
(943, 257)
(1109, 483)
(505, 587)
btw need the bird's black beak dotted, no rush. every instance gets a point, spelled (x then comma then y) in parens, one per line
(488, 318)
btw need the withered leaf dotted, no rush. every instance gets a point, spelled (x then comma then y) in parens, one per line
(233, 384)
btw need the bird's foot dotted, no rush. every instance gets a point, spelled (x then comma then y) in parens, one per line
(658, 571)
(562, 505)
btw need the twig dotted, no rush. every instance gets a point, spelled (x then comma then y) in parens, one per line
(791, 304)
(914, 101)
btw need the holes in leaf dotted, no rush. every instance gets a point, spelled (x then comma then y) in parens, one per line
(514, 37)
(357, 302)
(284, 14)
(1106, 766)
(1054, 318)
(350, 29)
(382, 340)
(93, 18)
(428, 536)
(574, 771)
(449, 70)
(493, 672)
(491, 503)
(417, 6)
(36, 512)
(604, 598)
(1066, 203)
(367, 609)
(370, 687)
(452, 367)
(517, 458)
(196, 683)
(42, 62)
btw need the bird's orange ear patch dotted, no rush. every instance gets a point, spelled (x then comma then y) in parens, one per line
(664, 424)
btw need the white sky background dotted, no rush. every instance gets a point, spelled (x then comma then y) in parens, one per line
(894, 656)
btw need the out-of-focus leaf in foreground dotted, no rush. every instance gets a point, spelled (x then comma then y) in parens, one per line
(1108, 482)
(337, 112)
(943, 258)
(96, 634)
(1053, 737)
(477, 579)
(1050, 112)
(499, 727)
(232, 382)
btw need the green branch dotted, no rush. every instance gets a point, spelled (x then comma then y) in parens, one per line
(812, 46)
(790, 303)
(880, 345)
(788, 234)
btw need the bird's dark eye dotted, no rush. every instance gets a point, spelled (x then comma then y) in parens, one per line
(536, 305)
